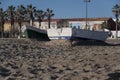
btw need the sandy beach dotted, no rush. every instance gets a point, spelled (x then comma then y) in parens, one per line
(24, 59)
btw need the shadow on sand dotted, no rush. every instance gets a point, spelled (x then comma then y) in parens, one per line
(93, 43)
(114, 76)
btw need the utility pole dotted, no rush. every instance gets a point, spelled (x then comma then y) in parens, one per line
(86, 1)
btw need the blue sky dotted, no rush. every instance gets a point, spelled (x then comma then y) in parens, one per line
(69, 8)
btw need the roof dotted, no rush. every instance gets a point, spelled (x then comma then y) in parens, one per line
(80, 19)
(89, 19)
(74, 19)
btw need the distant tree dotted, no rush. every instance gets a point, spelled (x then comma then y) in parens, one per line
(11, 17)
(64, 22)
(105, 25)
(20, 16)
(49, 13)
(39, 15)
(30, 13)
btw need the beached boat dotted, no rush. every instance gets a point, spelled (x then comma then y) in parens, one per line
(74, 33)
(34, 33)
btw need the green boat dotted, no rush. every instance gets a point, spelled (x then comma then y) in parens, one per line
(34, 33)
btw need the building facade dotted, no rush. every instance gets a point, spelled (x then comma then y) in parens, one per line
(93, 23)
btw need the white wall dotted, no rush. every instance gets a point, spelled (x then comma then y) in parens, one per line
(114, 34)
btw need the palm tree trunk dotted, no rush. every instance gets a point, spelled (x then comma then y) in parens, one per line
(2, 31)
(12, 27)
(20, 34)
(10, 33)
(40, 23)
(48, 22)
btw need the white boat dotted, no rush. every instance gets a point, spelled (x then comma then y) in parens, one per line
(74, 33)
(33, 32)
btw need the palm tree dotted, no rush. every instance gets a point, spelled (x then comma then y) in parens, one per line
(116, 11)
(30, 13)
(11, 15)
(39, 15)
(49, 14)
(20, 15)
(2, 21)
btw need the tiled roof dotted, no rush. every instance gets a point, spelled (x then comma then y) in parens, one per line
(89, 19)
(45, 20)
(74, 19)
(80, 19)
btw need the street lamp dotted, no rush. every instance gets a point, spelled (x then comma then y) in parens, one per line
(116, 12)
(86, 1)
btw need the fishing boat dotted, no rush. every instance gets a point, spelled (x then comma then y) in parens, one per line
(75, 33)
(34, 33)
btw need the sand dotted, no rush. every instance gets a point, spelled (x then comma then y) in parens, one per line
(24, 59)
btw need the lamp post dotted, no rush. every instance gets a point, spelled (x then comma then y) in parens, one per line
(116, 12)
(86, 1)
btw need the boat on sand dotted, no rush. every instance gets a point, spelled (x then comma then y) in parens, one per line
(75, 33)
(34, 33)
